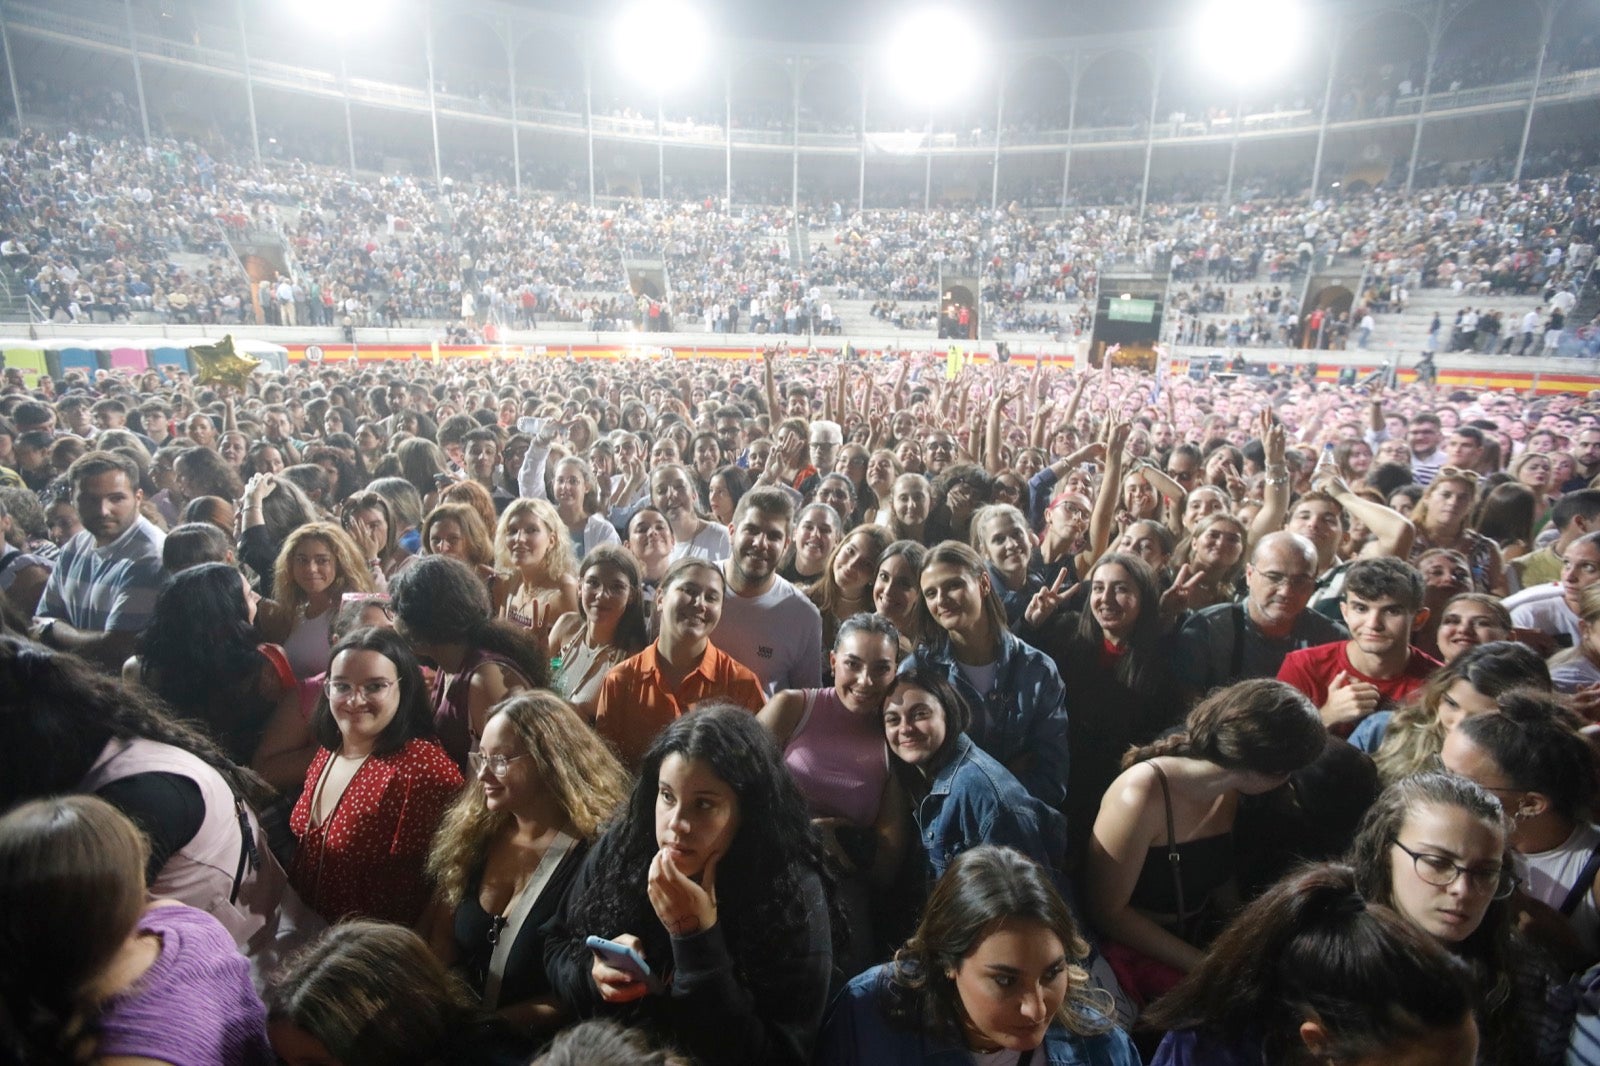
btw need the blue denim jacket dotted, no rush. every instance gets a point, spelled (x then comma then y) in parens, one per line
(974, 800)
(856, 1033)
(1023, 720)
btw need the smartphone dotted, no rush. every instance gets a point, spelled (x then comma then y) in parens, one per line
(621, 957)
(530, 425)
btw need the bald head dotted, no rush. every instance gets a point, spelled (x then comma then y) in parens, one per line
(1276, 551)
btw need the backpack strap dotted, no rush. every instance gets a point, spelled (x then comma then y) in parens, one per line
(1174, 859)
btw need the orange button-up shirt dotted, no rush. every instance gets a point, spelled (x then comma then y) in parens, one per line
(636, 702)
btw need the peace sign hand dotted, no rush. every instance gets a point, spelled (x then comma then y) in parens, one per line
(685, 908)
(1176, 598)
(1048, 600)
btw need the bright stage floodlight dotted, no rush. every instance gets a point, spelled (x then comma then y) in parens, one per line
(934, 56)
(662, 43)
(1246, 42)
(342, 18)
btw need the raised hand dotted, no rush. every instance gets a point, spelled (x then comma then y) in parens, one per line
(1176, 598)
(1048, 600)
(684, 907)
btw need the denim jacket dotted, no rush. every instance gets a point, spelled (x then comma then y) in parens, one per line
(1022, 722)
(974, 800)
(856, 1033)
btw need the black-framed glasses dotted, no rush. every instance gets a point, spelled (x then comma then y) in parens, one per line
(497, 764)
(1442, 872)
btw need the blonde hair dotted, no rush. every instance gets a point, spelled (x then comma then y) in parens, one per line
(570, 761)
(352, 575)
(560, 561)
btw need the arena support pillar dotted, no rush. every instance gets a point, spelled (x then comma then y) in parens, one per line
(927, 173)
(588, 116)
(1533, 95)
(509, 39)
(1233, 148)
(138, 73)
(661, 149)
(999, 125)
(1327, 103)
(794, 173)
(433, 109)
(1150, 134)
(1072, 120)
(1434, 33)
(727, 135)
(349, 125)
(861, 179)
(11, 69)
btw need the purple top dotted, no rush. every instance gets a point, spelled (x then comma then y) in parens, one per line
(837, 759)
(195, 1006)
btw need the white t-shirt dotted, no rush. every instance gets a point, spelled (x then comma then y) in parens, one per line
(777, 634)
(711, 544)
(1542, 608)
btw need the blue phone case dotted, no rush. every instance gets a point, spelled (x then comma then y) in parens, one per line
(624, 958)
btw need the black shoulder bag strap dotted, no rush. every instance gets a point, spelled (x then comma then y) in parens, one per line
(1236, 659)
(1582, 885)
(1174, 860)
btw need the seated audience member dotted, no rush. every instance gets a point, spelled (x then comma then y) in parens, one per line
(92, 969)
(103, 590)
(1433, 847)
(770, 625)
(1377, 668)
(832, 740)
(193, 544)
(607, 628)
(1311, 973)
(995, 968)
(1553, 609)
(715, 875)
(68, 729)
(442, 610)
(202, 656)
(1471, 619)
(1527, 751)
(959, 796)
(1161, 861)
(1574, 515)
(1121, 694)
(371, 994)
(376, 791)
(1017, 698)
(542, 788)
(1230, 642)
(1406, 741)
(641, 696)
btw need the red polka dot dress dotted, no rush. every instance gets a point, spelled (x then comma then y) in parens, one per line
(366, 859)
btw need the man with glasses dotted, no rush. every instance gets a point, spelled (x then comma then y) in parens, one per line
(939, 451)
(1183, 465)
(1229, 642)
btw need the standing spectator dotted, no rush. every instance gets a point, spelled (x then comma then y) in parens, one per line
(770, 625)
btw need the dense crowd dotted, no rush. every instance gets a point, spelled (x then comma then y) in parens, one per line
(100, 229)
(795, 710)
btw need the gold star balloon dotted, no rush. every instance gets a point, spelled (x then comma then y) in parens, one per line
(220, 364)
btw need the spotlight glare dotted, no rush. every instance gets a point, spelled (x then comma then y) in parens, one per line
(1246, 42)
(342, 18)
(934, 56)
(662, 43)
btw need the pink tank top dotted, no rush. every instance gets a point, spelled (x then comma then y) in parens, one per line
(837, 759)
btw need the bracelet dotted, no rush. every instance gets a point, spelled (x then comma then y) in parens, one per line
(1277, 480)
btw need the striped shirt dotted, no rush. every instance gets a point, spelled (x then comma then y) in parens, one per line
(107, 589)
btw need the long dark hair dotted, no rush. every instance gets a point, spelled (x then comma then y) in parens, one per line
(957, 715)
(1259, 726)
(760, 878)
(59, 713)
(983, 888)
(1312, 949)
(1140, 670)
(201, 656)
(413, 720)
(1488, 949)
(1535, 742)
(439, 600)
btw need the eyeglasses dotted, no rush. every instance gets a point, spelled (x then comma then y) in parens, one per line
(1280, 580)
(343, 691)
(1441, 872)
(497, 764)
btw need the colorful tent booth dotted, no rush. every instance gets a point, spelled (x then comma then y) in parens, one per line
(125, 355)
(166, 353)
(27, 356)
(272, 356)
(65, 356)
